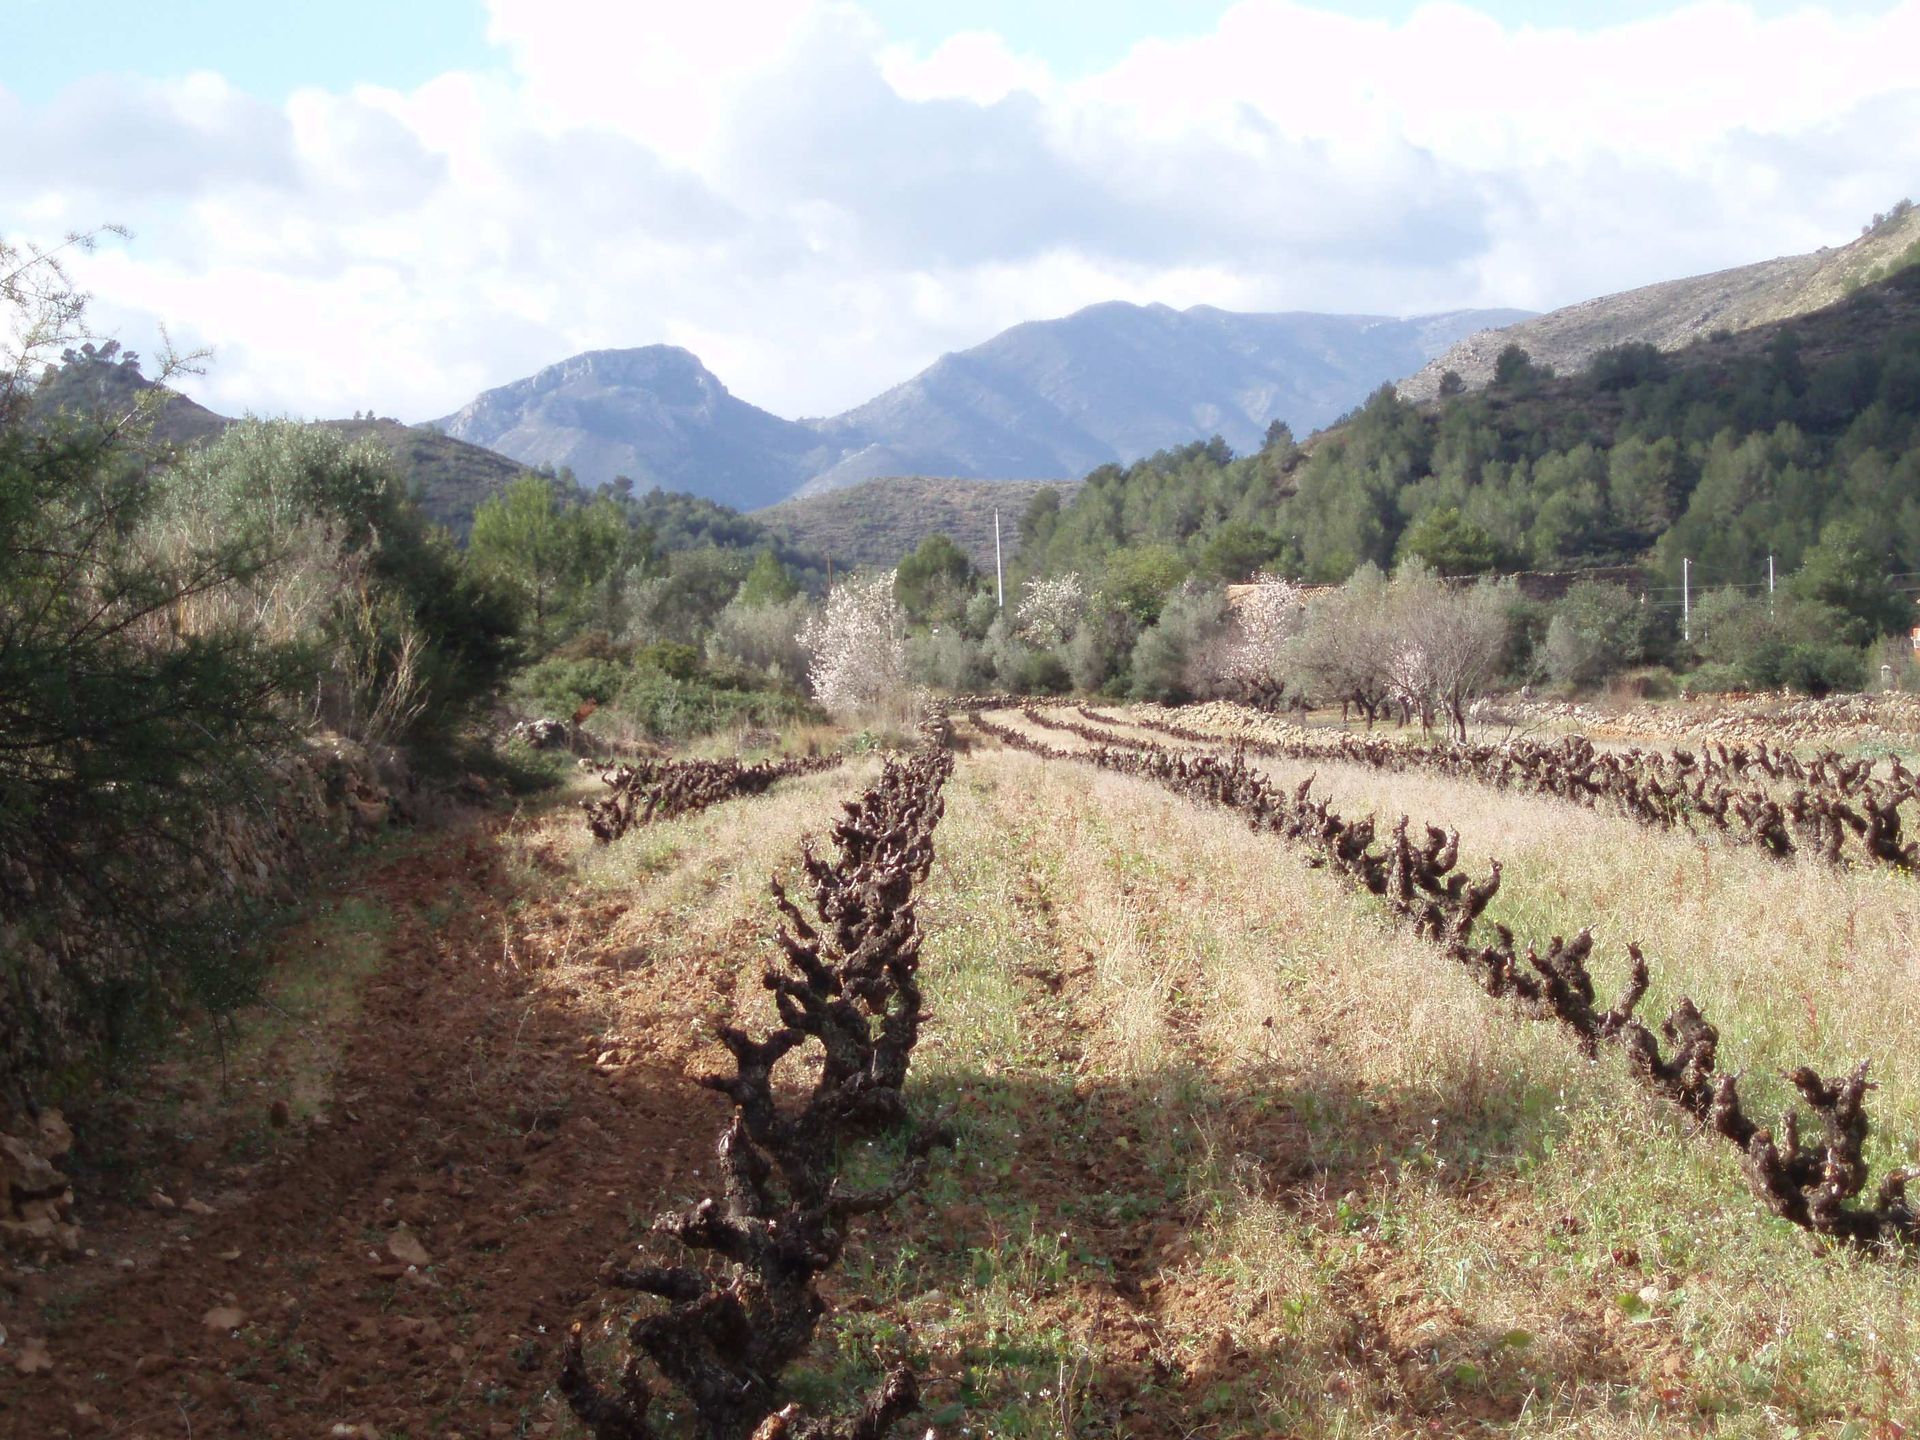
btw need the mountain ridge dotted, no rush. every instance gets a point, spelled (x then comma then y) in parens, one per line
(1043, 400)
(1672, 314)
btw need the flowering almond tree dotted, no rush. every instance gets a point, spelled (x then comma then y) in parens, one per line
(1051, 609)
(1266, 619)
(858, 648)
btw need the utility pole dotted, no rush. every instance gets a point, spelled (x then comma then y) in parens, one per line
(1686, 601)
(999, 574)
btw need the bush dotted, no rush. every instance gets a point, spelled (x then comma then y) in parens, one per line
(135, 703)
(1596, 630)
(1179, 657)
(1792, 642)
(947, 661)
(402, 640)
(762, 639)
(665, 701)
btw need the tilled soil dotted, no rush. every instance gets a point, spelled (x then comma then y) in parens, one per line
(408, 1266)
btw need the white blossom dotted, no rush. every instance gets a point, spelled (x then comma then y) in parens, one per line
(858, 648)
(1050, 610)
(1268, 614)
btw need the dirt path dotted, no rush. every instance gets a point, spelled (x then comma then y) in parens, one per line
(408, 1266)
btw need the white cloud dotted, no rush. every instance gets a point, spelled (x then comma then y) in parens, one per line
(817, 211)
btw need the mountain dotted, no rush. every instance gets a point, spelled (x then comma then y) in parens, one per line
(655, 415)
(1115, 382)
(1675, 313)
(880, 522)
(105, 381)
(451, 477)
(1051, 399)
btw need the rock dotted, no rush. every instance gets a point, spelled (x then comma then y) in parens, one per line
(163, 1202)
(33, 1358)
(404, 1246)
(224, 1317)
(197, 1207)
(54, 1135)
(541, 734)
(25, 1174)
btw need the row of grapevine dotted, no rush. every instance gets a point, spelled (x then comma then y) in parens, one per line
(663, 789)
(1816, 1183)
(1837, 809)
(850, 1010)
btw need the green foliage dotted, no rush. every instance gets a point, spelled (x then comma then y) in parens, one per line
(124, 727)
(1176, 659)
(677, 522)
(1239, 550)
(402, 638)
(1515, 372)
(1137, 579)
(1623, 367)
(935, 581)
(1725, 454)
(558, 560)
(1846, 573)
(661, 690)
(1752, 643)
(767, 583)
(1595, 631)
(1449, 543)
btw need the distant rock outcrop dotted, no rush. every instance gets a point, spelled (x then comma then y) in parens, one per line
(655, 415)
(1675, 313)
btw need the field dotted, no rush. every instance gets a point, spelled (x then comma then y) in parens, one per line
(1239, 1147)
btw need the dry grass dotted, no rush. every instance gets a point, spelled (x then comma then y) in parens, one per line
(673, 916)
(1374, 1202)
(1239, 1157)
(1796, 963)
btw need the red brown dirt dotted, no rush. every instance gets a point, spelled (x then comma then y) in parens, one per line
(470, 1120)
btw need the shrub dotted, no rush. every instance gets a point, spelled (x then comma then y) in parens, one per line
(1596, 630)
(1181, 656)
(134, 704)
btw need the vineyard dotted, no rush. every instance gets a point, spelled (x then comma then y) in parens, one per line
(1079, 1071)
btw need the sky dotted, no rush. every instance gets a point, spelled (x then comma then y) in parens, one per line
(393, 206)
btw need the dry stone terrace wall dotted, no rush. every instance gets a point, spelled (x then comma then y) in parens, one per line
(848, 989)
(57, 956)
(1883, 717)
(1817, 1182)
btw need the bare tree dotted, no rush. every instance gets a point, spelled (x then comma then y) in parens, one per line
(1449, 640)
(1345, 646)
(1267, 617)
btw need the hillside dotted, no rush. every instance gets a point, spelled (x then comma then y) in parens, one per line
(879, 522)
(1114, 382)
(1677, 313)
(451, 477)
(1767, 446)
(105, 381)
(655, 415)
